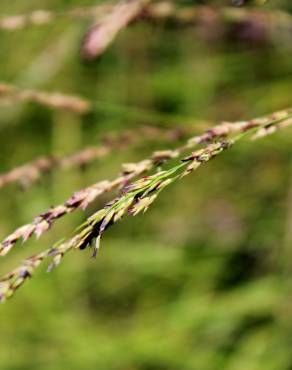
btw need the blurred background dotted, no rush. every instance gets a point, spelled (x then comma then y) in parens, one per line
(202, 280)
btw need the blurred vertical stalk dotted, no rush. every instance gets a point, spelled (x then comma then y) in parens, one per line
(66, 138)
(43, 69)
(198, 69)
(137, 65)
(286, 263)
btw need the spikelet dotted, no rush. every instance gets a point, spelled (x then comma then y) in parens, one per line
(102, 34)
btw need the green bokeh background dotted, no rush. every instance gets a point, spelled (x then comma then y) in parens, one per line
(202, 280)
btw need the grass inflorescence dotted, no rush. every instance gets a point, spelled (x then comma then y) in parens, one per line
(82, 198)
(109, 20)
(27, 174)
(135, 197)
